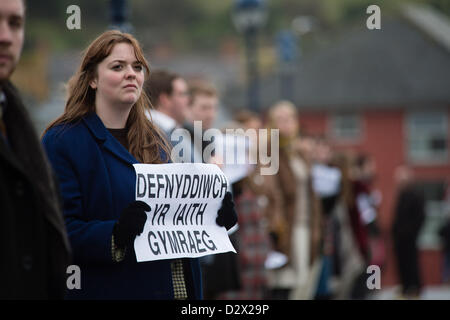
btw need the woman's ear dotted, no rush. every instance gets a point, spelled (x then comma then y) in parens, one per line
(93, 84)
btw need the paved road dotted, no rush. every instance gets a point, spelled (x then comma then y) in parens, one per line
(429, 293)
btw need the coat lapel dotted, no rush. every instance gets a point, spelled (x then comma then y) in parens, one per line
(25, 154)
(6, 151)
(7, 154)
(102, 135)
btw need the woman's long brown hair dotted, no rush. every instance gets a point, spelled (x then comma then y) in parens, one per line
(145, 140)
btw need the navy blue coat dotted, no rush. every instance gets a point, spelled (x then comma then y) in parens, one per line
(97, 180)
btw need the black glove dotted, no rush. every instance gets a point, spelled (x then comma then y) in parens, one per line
(130, 224)
(226, 216)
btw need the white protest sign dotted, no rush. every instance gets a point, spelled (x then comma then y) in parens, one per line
(184, 199)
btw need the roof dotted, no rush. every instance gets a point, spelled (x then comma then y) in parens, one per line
(434, 23)
(399, 65)
(392, 66)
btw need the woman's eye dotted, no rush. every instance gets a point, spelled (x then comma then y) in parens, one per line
(117, 67)
(138, 67)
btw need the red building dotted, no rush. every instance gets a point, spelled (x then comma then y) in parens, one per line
(384, 136)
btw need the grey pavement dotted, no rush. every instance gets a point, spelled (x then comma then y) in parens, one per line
(428, 293)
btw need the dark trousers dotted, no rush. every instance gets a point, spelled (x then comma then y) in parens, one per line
(408, 265)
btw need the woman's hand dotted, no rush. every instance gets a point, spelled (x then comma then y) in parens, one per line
(131, 223)
(226, 216)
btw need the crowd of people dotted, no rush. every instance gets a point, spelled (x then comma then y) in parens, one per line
(309, 231)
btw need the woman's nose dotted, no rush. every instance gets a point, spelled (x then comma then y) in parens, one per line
(131, 73)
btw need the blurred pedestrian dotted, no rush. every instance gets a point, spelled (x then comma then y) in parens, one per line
(300, 209)
(169, 96)
(444, 233)
(368, 200)
(364, 218)
(221, 271)
(203, 107)
(33, 242)
(409, 216)
(327, 184)
(105, 118)
(252, 235)
(307, 233)
(352, 266)
(203, 103)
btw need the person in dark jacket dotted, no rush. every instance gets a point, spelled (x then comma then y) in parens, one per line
(92, 147)
(408, 219)
(33, 242)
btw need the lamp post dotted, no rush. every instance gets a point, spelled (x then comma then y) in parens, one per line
(287, 55)
(289, 52)
(249, 16)
(119, 16)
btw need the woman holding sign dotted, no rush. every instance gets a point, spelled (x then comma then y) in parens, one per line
(92, 147)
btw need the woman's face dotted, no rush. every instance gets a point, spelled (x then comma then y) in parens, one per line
(286, 121)
(119, 77)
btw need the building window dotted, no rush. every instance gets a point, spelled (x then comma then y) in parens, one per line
(427, 134)
(436, 210)
(346, 127)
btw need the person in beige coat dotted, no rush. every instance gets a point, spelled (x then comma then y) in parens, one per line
(300, 209)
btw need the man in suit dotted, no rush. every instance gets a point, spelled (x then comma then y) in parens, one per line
(33, 240)
(169, 95)
(409, 216)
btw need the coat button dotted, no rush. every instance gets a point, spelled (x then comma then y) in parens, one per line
(27, 262)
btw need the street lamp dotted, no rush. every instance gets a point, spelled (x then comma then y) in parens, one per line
(119, 16)
(289, 52)
(249, 16)
(287, 56)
